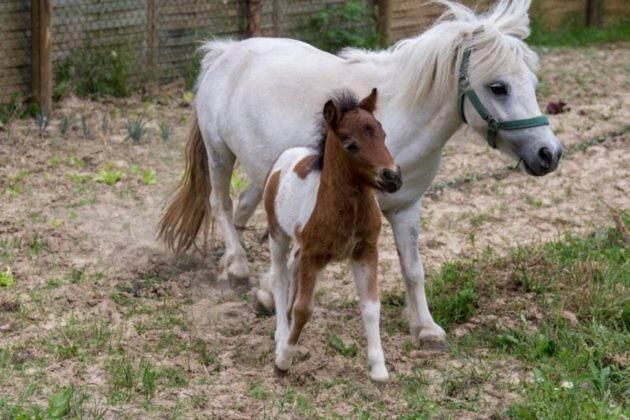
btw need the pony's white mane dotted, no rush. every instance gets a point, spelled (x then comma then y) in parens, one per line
(428, 63)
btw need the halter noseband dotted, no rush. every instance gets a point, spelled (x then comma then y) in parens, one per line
(464, 90)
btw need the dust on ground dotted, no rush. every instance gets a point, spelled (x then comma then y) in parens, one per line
(94, 290)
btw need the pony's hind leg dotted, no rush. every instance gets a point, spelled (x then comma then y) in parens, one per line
(364, 267)
(221, 162)
(248, 200)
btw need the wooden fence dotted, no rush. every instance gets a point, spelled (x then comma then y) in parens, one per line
(161, 35)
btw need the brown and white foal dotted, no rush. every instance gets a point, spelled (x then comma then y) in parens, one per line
(322, 202)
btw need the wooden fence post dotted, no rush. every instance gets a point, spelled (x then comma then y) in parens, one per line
(150, 68)
(385, 20)
(254, 8)
(594, 13)
(41, 57)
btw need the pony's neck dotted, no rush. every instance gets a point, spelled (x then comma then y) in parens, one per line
(339, 180)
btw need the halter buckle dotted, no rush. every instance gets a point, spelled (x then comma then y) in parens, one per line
(493, 124)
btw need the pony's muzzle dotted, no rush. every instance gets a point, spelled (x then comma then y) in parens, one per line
(389, 180)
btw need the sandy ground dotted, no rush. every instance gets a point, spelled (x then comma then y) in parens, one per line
(81, 251)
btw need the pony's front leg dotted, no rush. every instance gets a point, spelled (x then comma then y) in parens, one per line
(364, 265)
(405, 224)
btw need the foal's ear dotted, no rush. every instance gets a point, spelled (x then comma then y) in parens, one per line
(331, 113)
(369, 102)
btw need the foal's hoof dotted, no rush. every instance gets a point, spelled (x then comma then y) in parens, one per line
(280, 373)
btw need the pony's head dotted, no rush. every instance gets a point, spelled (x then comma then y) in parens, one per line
(501, 71)
(353, 125)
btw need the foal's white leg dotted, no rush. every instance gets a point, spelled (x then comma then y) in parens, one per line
(364, 273)
(279, 248)
(405, 224)
(248, 200)
(221, 161)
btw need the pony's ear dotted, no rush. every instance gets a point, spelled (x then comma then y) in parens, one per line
(369, 102)
(331, 113)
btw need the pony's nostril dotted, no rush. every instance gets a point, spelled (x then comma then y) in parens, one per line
(546, 157)
(390, 175)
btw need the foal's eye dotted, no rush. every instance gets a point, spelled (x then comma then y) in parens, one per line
(351, 147)
(499, 89)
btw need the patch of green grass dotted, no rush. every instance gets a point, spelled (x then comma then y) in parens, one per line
(258, 390)
(130, 376)
(578, 351)
(573, 33)
(453, 293)
(336, 343)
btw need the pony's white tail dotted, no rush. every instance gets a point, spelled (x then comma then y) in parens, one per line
(212, 50)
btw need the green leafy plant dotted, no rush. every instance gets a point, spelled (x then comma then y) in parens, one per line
(64, 125)
(136, 128)
(17, 108)
(149, 177)
(85, 127)
(105, 124)
(42, 122)
(94, 71)
(165, 132)
(6, 278)
(347, 24)
(109, 176)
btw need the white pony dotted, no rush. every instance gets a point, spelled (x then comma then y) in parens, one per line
(261, 96)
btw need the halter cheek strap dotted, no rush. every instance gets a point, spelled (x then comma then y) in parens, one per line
(464, 90)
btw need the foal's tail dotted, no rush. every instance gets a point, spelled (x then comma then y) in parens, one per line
(189, 208)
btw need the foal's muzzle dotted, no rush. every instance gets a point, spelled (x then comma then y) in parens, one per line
(389, 180)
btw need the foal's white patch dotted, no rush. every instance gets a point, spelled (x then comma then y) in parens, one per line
(296, 197)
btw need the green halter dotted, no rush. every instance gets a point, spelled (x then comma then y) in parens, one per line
(464, 90)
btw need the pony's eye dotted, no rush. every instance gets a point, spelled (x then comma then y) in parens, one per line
(351, 147)
(499, 89)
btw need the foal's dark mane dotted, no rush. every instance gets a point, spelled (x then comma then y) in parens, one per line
(345, 101)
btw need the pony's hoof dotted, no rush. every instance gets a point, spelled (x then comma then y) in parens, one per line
(241, 284)
(430, 337)
(262, 303)
(431, 344)
(379, 373)
(280, 373)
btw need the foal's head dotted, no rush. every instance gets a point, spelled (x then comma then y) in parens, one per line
(353, 124)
